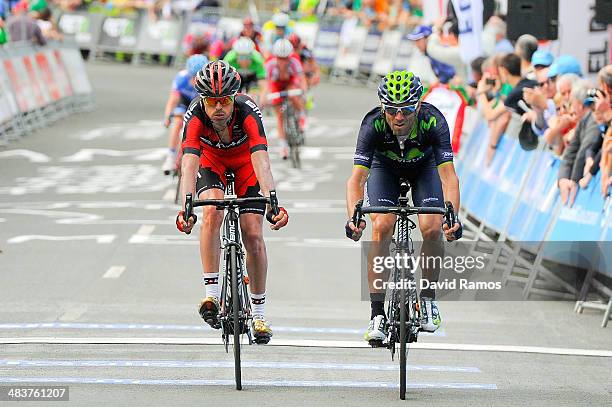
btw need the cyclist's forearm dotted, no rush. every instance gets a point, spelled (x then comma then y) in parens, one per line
(189, 171)
(354, 190)
(171, 104)
(261, 165)
(450, 184)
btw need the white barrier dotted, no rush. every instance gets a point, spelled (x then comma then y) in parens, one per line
(38, 86)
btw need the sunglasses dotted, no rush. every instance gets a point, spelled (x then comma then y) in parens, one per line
(224, 100)
(405, 110)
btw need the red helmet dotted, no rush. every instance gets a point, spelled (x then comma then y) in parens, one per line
(217, 79)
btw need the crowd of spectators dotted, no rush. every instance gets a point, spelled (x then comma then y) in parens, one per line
(27, 21)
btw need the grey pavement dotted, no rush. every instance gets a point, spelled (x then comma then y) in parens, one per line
(90, 254)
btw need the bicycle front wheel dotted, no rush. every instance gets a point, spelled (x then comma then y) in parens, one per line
(403, 339)
(236, 316)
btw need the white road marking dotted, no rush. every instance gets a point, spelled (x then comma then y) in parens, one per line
(174, 327)
(143, 234)
(100, 239)
(259, 383)
(169, 195)
(33, 156)
(88, 154)
(227, 364)
(114, 272)
(72, 217)
(308, 343)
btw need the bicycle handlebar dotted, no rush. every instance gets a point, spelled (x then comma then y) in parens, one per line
(190, 203)
(285, 93)
(448, 212)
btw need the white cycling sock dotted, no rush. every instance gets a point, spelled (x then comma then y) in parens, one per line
(211, 284)
(259, 303)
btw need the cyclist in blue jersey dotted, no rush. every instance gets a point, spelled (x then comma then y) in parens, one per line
(180, 97)
(403, 138)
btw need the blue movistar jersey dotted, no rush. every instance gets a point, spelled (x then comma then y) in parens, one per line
(182, 85)
(377, 143)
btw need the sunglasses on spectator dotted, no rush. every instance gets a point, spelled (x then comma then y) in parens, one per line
(405, 110)
(224, 100)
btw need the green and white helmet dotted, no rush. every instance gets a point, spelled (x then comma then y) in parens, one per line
(400, 88)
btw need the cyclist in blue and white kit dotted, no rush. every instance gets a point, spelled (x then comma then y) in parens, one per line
(403, 138)
(180, 97)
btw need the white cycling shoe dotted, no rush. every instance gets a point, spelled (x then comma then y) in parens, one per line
(430, 316)
(376, 329)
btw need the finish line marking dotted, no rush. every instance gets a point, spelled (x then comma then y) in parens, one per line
(166, 327)
(304, 343)
(222, 364)
(262, 383)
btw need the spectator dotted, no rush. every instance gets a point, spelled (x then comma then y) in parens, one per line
(561, 124)
(540, 99)
(510, 73)
(22, 27)
(541, 59)
(3, 36)
(372, 16)
(494, 41)
(526, 46)
(443, 46)
(399, 13)
(603, 115)
(476, 68)
(419, 63)
(48, 27)
(586, 134)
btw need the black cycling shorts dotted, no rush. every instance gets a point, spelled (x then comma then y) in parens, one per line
(382, 186)
(244, 185)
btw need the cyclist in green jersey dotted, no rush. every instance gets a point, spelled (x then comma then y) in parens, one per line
(250, 64)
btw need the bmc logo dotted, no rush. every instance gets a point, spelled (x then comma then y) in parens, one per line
(255, 108)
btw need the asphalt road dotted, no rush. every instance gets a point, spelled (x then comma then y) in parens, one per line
(99, 291)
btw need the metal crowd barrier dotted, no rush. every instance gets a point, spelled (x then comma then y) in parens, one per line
(349, 52)
(39, 86)
(513, 206)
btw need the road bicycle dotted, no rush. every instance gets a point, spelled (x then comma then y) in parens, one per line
(235, 304)
(295, 136)
(403, 323)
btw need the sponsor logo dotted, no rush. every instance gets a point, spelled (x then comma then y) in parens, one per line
(432, 199)
(255, 108)
(380, 124)
(427, 125)
(361, 157)
(447, 154)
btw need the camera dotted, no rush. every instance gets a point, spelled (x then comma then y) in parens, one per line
(490, 81)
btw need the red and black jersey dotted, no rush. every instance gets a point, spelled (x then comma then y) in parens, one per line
(247, 133)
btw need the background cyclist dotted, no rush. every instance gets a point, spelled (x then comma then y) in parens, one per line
(250, 65)
(179, 99)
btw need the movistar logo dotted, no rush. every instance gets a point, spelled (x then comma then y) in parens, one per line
(427, 125)
(380, 125)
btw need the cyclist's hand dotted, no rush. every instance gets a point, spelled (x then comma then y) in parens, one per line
(167, 121)
(278, 221)
(353, 232)
(183, 226)
(453, 233)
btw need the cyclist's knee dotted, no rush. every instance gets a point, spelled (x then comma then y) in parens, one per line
(430, 229)
(382, 227)
(211, 218)
(253, 239)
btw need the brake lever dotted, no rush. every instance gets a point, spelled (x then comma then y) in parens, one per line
(188, 208)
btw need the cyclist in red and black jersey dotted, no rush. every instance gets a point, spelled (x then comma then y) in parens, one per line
(223, 131)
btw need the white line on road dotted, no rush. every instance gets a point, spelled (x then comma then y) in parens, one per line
(33, 156)
(228, 364)
(101, 239)
(304, 343)
(262, 383)
(114, 272)
(174, 327)
(143, 234)
(169, 195)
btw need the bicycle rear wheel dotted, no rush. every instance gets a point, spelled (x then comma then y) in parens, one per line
(236, 316)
